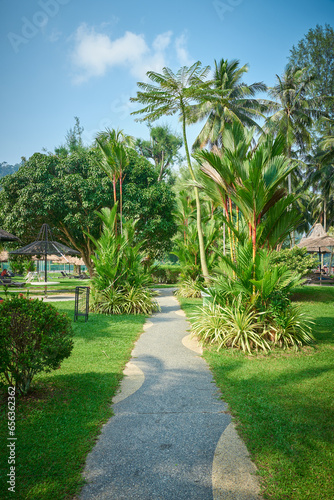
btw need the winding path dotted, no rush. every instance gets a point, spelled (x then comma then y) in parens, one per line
(171, 437)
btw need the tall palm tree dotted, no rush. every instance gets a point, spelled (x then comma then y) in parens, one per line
(229, 100)
(113, 144)
(170, 94)
(293, 111)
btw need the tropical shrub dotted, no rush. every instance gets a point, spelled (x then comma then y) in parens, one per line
(34, 337)
(124, 300)
(122, 272)
(189, 288)
(252, 305)
(296, 259)
(20, 264)
(166, 273)
(241, 326)
(231, 326)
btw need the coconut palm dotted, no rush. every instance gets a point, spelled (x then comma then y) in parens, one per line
(230, 100)
(170, 94)
(294, 111)
(113, 144)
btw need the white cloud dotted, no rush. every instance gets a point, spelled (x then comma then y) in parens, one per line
(162, 41)
(95, 53)
(182, 52)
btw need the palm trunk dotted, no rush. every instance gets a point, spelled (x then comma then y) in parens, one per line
(204, 266)
(121, 199)
(115, 198)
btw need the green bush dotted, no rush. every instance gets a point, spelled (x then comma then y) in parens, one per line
(189, 288)
(166, 273)
(34, 337)
(20, 264)
(126, 300)
(297, 259)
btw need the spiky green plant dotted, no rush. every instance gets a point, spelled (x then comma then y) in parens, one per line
(294, 328)
(119, 284)
(189, 288)
(232, 326)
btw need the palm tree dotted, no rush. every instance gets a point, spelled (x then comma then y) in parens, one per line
(113, 144)
(162, 148)
(254, 184)
(294, 111)
(229, 100)
(171, 94)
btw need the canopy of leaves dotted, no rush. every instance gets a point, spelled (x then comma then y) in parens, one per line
(162, 148)
(60, 191)
(151, 202)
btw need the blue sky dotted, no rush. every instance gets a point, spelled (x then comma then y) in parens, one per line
(67, 58)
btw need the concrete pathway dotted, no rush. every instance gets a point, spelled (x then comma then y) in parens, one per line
(171, 437)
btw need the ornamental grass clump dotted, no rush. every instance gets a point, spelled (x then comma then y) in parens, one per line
(34, 337)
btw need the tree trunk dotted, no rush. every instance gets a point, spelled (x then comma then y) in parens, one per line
(121, 200)
(198, 206)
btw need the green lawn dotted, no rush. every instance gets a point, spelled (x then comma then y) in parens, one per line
(57, 424)
(283, 404)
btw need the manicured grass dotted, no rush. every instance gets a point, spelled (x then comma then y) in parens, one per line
(283, 405)
(58, 423)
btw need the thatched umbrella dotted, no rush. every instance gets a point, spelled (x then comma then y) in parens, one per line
(45, 245)
(5, 236)
(318, 244)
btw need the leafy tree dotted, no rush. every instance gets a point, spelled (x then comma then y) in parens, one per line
(73, 140)
(162, 148)
(65, 192)
(171, 94)
(6, 169)
(151, 202)
(61, 191)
